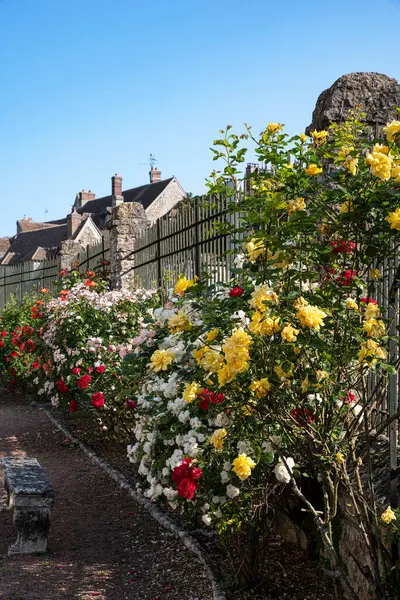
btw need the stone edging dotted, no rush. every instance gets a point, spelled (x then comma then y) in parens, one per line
(164, 520)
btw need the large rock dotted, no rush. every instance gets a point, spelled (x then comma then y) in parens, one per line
(377, 95)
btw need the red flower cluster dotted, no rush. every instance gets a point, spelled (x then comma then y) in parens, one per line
(347, 277)
(100, 369)
(97, 400)
(342, 247)
(61, 386)
(73, 406)
(302, 416)
(207, 397)
(83, 382)
(368, 301)
(236, 291)
(186, 478)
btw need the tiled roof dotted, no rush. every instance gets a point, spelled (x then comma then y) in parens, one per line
(27, 225)
(145, 194)
(24, 245)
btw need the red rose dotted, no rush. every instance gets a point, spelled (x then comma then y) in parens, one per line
(100, 369)
(342, 247)
(73, 406)
(204, 404)
(131, 404)
(62, 388)
(347, 277)
(218, 398)
(236, 291)
(89, 369)
(185, 471)
(35, 365)
(14, 354)
(2, 344)
(4, 333)
(368, 301)
(76, 370)
(302, 416)
(187, 488)
(97, 400)
(6, 359)
(83, 382)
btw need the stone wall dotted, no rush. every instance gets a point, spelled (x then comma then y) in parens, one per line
(128, 220)
(69, 251)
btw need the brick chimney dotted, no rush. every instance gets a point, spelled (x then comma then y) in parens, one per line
(73, 221)
(155, 175)
(83, 197)
(116, 190)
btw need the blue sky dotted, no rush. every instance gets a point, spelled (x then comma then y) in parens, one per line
(91, 87)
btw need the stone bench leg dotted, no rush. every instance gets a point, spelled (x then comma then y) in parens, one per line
(32, 522)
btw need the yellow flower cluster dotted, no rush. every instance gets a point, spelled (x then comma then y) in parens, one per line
(394, 219)
(242, 466)
(351, 304)
(289, 333)
(264, 325)
(237, 354)
(183, 284)
(313, 169)
(209, 359)
(380, 162)
(191, 391)
(372, 311)
(262, 295)
(161, 360)
(319, 137)
(217, 438)
(179, 322)
(311, 316)
(392, 130)
(261, 387)
(294, 205)
(374, 328)
(349, 161)
(388, 516)
(371, 349)
(255, 249)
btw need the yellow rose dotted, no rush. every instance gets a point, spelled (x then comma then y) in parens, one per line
(263, 325)
(274, 127)
(372, 311)
(313, 169)
(161, 360)
(182, 285)
(339, 457)
(242, 466)
(392, 130)
(179, 322)
(375, 274)
(319, 137)
(374, 328)
(381, 164)
(261, 387)
(282, 374)
(388, 516)
(321, 375)
(300, 303)
(395, 172)
(191, 392)
(303, 138)
(351, 304)
(255, 249)
(217, 439)
(394, 219)
(289, 333)
(211, 335)
(346, 207)
(212, 361)
(311, 316)
(260, 296)
(305, 384)
(294, 205)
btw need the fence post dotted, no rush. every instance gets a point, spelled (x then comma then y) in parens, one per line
(196, 239)
(159, 274)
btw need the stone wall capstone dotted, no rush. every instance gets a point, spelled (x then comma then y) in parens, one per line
(128, 220)
(376, 94)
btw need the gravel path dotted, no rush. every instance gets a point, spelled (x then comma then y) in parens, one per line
(101, 543)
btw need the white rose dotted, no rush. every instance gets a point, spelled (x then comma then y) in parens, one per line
(232, 491)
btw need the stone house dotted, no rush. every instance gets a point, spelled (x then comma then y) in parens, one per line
(89, 220)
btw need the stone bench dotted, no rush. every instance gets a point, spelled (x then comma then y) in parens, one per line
(31, 495)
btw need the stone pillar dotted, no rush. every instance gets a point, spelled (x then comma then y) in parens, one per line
(69, 251)
(128, 220)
